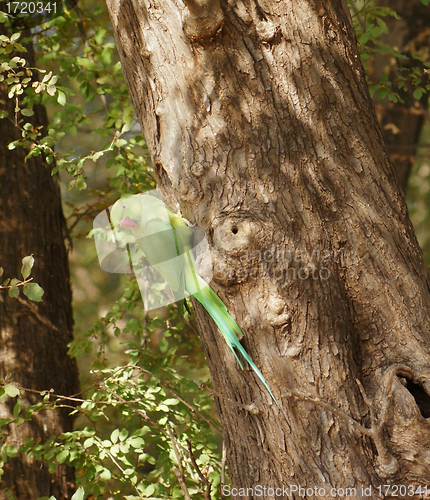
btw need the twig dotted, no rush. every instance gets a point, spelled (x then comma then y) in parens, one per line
(252, 408)
(20, 283)
(179, 473)
(79, 216)
(223, 460)
(332, 409)
(357, 14)
(145, 311)
(205, 480)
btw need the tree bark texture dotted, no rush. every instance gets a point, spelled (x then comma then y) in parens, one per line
(262, 131)
(402, 123)
(34, 336)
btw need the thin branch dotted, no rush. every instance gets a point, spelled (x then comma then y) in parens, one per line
(223, 461)
(252, 408)
(359, 19)
(204, 479)
(330, 408)
(20, 283)
(179, 473)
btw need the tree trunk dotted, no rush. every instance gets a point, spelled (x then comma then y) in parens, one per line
(402, 123)
(261, 127)
(34, 336)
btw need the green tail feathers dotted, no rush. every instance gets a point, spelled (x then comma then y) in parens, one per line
(228, 327)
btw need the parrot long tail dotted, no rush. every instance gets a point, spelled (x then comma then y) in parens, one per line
(228, 327)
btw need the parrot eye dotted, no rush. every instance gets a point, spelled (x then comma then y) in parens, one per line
(124, 207)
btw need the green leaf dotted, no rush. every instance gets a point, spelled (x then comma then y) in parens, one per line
(123, 434)
(106, 475)
(27, 265)
(204, 459)
(163, 345)
(27, 112)
(149, 490)
(106, 56)
(13, 292)
(136, 442)
(1, 271)
(114, 436)
(11, 451)
(61, 98)
(424, 2)
(17, 408)
(100, 35)
(88, 442)
(15, 37)
(383, 93)
(34, 292)
(79, 495)
(3, 114)
(51, 89)
(418, 93)
(171, 402)
(61, 458)
(87, 64)
(11, 390)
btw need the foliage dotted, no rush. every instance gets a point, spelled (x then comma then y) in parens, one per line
(32, 290)
(144, 429)
(418, 195)
(165, 427)
(371, 27)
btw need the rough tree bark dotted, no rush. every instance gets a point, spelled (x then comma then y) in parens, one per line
(262, 130)
(34, 336)
(411, 35)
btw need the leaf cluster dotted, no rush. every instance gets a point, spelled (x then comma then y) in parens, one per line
(32, 290)
(406, 69)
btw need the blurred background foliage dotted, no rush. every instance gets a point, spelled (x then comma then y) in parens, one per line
(147, 424)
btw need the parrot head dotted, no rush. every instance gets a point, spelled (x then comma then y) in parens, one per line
(126, 212)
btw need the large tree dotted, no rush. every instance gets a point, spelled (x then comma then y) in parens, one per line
(261, 127)
(33, 335)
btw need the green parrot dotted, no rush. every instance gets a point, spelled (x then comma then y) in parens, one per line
(166, 241)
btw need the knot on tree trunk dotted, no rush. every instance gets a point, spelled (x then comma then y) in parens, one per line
(203, 19)
(244, 250)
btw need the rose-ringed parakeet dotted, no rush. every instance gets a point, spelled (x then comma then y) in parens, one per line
(163, 236)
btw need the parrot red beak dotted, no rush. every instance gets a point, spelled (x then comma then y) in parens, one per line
(127, 222)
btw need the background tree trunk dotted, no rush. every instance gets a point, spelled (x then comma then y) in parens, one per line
(34, 336)
(261, 127)
(402, 123)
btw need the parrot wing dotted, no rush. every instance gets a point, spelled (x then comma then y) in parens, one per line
(166, 240)
(162, 251)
